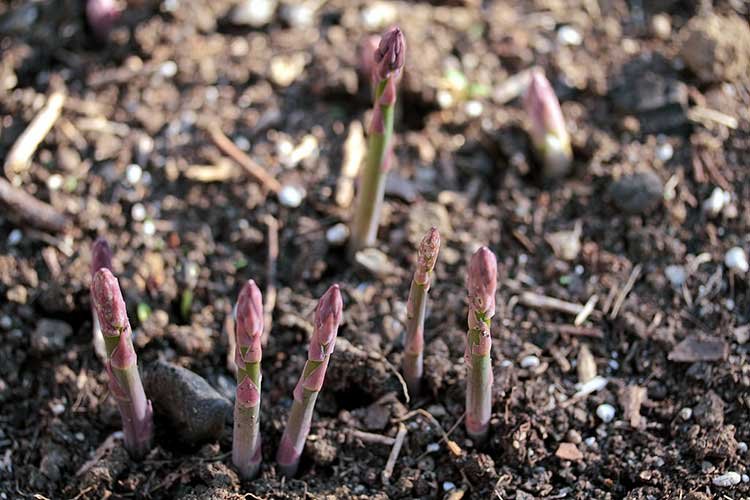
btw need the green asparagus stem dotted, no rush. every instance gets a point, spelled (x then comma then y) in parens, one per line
(482, 284)
(122, 363)
(246, 449)
(101, 257)
(416, 306)
(389, 60)
(327, 320)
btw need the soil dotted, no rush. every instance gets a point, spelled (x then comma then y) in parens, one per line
(671, 342)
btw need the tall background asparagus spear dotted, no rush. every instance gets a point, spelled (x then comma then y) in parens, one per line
(389, 61)
(122, 363)
(416, 306)
(322, 342)
(246, 449)
(482, 283)
(101, 257)
(548, 133)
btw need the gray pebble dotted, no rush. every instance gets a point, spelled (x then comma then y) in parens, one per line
(639, 193)
(50, 335)
(192, 406)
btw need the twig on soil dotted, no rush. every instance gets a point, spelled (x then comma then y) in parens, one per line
(705, 115)
(523, 240)
(273, 256)
(580, 331)
(452, 445)
(397, 444)
(102, 450)
(588, 308)
(698, 174)
(101, 125)
(714, 172)
(27, 209)
(513, 86)
(222, 171)
(19, 156)
(256, 171)
(530, 299)
(369, 437)
(625, 291)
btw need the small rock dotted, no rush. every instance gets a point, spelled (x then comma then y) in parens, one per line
(741, 333)
(473, 108)
(661, 26)
(15, 237)
(376, 262)
(149, 228)
(745, 478)
(291, 196)
(726, 480)
(736, 260)
(422, 217)
(50, 335)
(138, 212)
(285, 69)
(568, 451)
(686, 413)
(665, 151)
(55, 182)
(606, 412)
(299, 15)
(253, 13)
(716, 47)
(590, 441)
(397, 186)
(568, 35)
(742, 447)
(191, 405)
(566, 244)
(337, 234)
(379, 15)
(716, 202)
(639, 193)
(677, 275)
(530, 362)
(448, 486)
(133, 174)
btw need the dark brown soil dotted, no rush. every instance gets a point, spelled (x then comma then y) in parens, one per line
(168, 73)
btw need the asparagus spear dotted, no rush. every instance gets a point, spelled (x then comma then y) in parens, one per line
(482, 284)
(389, 61)
(548, 133)
(327, 320)
(122, 363)
(416, 306)
(246, 449)
(101, 257)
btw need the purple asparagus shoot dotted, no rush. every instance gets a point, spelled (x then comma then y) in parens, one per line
(246, 449)
(548, 133)
(101, 258)
(387, 64)
(327, 320)
(101, 16)
(122, 363)
(482, 284)
(416, 306)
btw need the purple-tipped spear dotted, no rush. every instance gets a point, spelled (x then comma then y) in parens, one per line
(416, 306)
(481, 285)
(101, 258)
(327, 320)
(548, 133)
(122, 363)
(246, 450)
(388, 60)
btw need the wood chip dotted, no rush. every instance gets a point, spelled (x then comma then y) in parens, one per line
(530, 299)
(568, 451)
(222, 171)
(631, 399)
(694, 349)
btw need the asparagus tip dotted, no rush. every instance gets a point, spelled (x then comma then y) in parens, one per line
(482, 281)
(390, 54)
(427, 254)
(108, 303)
(101, 255)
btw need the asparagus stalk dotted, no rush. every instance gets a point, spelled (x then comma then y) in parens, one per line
(548, 133)
(122, 363)
(416, 306)
(389, 61)
(327, 320)
(481, 286)
(101, 257)
(246, 449)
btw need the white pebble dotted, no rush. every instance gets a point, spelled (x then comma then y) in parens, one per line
(168, 69)
(15, 237)
(567, 35)
(433, 447)
(474, 108)
(729, 304)
(676, 275)
(716, 202)
(242, 143)
(444, 99)
(133, 173)
(606, 412)
(379, 15)
(6, 322)
(745, 478)
(337, 235)
(55, 182)
(590, 441)
(742, 447)
(736, 260)
(506, 363)
(726, 480)
(291, 196)
(170, 5)
(138, 212)
(57, 409)
(594, 385)
(686, 413)
(665, 152)
(530, 362)
(448, 486)
(149, 229)
(79, 436)
(613, 365)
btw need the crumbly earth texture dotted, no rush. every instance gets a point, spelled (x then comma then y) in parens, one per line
(131, 159)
